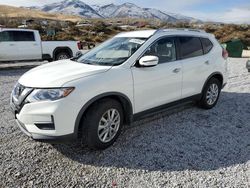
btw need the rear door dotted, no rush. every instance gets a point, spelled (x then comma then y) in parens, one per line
(195, 64)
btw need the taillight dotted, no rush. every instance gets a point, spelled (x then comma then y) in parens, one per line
(224, 53)
(79, 45)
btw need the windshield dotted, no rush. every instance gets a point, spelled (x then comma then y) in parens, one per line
(112, 52)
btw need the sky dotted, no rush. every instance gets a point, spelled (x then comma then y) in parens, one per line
(230, 11)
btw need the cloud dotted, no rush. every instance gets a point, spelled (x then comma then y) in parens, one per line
(43, 2)
(233, 15)
(174, 5)
(237, 15)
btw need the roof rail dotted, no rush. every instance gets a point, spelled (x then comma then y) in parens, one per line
(179, 29)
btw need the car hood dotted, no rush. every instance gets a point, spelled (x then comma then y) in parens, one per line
(58, 73)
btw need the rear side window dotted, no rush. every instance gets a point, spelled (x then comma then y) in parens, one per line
(207, 45)
(17, 36)
(190, 47)
(23, 35)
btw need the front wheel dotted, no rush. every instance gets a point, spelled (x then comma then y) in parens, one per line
(102, 124)
(210, 94)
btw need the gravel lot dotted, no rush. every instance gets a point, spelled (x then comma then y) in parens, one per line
(184, 147)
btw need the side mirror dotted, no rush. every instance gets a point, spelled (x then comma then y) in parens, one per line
(149, 61)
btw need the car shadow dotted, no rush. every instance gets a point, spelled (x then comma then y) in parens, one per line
(185, 138)
(12, 72)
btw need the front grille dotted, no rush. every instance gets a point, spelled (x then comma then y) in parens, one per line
(19, 94)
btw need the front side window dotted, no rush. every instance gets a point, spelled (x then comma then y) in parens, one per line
(164, 49)
(5, 36)
(190, 47)
(112, 52)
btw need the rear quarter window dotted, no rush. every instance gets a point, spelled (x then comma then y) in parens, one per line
(190, 47)
(207, 45)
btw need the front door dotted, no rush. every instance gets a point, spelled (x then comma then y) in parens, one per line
(8, 50)
(161, 84)
(19, 45)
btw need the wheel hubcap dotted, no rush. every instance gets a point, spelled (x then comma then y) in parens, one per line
(109, 125)
(62, 57)
(212, 94)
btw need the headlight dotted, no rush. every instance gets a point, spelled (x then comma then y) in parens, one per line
(48, 94)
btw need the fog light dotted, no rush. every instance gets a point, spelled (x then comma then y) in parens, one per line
(46, 125)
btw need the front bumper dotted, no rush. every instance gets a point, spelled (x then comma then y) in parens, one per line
(64, 138)
(51, 121)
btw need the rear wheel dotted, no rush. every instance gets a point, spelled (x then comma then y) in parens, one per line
(102, 124)
(210, 94)
(62, 55)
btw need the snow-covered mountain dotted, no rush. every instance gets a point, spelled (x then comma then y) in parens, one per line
(161, 15)
(106, 10)
(182, 18)
(130, 10)
(125, 10)
(74, 7)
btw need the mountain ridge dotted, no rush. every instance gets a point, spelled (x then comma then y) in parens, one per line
(125, 10)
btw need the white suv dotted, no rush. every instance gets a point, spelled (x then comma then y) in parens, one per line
(126, 77)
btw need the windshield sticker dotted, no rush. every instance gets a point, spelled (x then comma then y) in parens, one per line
(137, 41)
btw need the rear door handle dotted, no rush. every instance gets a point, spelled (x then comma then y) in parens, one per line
(207, 62)
(177, 70)
(12, 44)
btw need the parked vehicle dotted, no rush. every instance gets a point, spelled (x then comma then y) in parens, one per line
(26, 44)
(126, 77)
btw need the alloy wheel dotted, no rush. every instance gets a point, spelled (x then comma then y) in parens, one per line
(109, 125)
(212, 94)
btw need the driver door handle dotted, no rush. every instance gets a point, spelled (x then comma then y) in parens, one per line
(177, 70)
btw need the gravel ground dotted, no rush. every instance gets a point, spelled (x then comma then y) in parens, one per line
(184, 147)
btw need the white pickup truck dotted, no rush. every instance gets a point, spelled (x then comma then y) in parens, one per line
(26, 44)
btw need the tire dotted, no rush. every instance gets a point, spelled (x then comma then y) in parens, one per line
(94, 123)
(210, 94)
(62, 55)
